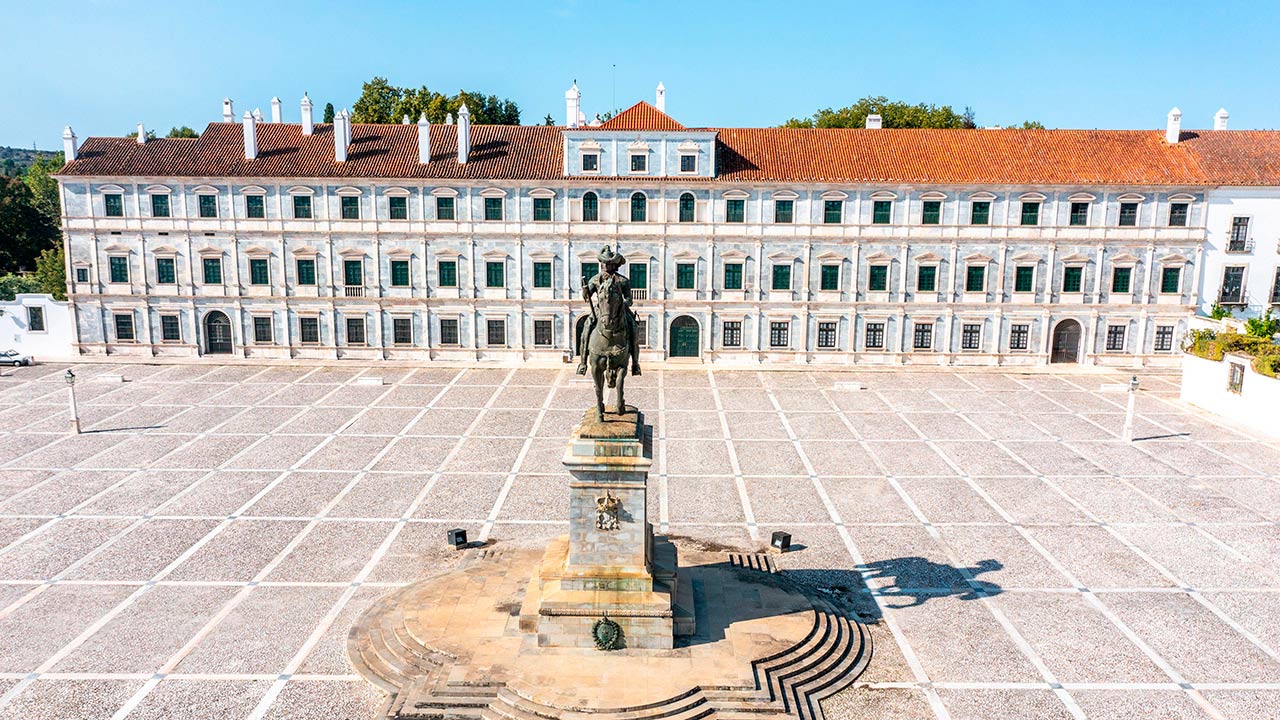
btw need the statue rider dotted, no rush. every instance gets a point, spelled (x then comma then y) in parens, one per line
(603, 282)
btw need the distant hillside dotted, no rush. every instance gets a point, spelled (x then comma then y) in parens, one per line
(15, 160)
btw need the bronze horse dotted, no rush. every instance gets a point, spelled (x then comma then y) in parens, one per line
(611, 337)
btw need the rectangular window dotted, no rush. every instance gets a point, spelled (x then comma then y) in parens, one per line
(35, 319)
(124, 327)
(353, 273)
(208, 205)
(255, 207)
(878, 278)
(1115, 338)
(402, 331)
(82, 275)
(448, 331)
(971, 336)
(398, 208)
(640, 208)
(1079, 213)
(639, 276)
(1072, 279)
(589, 270)
(1239, 234)
(302, 207)
(980, 213)
(882, 212)
(590, 207)
(399, 273)
(159, 206)
(542, 333)
(309, 330)
(1171, 280)
(779, 334)
(496, 333)
(166, 272)
(639, 163)
(784, 211)
(1232, 285)
(922, 336)
(495, 274)
(1120, 279)
(1275, 288)
(542, 209)
(642, 333)
(119, 266)
(170, 328)
(829, 280)
(1164, 338)
(306, 271)
(781, 277)
(542, 275)
(114, 204)
(833, 212)
(355, 331)
(733, 276)
(688, 163)
(827, 335)
(1030, 213)
(262, 330)
(1018, 336)
(873, 337)
(731, 333)
(1024, 278)
(590, 162)
(212, 271)
(259, 272)
(444, 208)
(735, 211)
(927, 278)
(932, 214)
(1178, 214)
(686, 208)
(493, 208)
(1235, 377)
(350, 207)
(1128, 214)
(686, 276)
(448, 272)
(975, 279)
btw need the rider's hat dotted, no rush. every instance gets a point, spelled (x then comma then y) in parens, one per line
(607, 256)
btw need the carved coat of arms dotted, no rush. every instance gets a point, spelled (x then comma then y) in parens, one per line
(607, 512)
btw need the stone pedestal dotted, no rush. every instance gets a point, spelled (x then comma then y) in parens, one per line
(610, 565)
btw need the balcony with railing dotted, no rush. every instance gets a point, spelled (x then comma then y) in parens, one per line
(639, 293)
(1240, 245)
(353, 291)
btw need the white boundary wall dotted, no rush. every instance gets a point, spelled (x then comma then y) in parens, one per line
(54, 342)
(1256, 406)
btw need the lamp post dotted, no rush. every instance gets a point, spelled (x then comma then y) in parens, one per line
(1128, 413)
(70, 377)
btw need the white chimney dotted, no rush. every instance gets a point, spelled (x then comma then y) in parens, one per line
(257, 115)
(404, 120)
(424, 140)
(595, 121)
(661, 98)
(573, 106)
(874, 121)
(464, 134)
(228, 114)
(1220, 119)
(69, 146)
(448, 118)
(275, 110)
(308, 125)
(250, 136)
(346, 126)
(142, 135)
(339, 139)
(1174, 128)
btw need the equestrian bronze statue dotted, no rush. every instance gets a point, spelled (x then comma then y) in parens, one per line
(609, 337)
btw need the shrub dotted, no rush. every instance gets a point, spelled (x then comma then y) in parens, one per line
(1212, 345)
(1217, 312)
(1264, 326)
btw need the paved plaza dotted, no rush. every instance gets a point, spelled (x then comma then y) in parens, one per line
(202, 549)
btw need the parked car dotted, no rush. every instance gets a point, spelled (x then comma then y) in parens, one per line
(15, 358)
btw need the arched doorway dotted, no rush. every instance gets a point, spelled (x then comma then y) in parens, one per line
(684, 337)
(217, 334)
(577, 334)
(1066, 342)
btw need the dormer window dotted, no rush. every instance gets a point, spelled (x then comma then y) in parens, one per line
(688, 163)
(590, 162)
(639, 162)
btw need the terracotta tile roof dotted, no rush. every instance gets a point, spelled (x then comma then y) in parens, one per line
(641, 116)
(507, 152)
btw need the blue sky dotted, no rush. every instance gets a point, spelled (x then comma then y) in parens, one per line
(105, 65)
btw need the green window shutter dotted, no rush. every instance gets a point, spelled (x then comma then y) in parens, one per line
(495, 275)
(686, 207)
(255, 207)
(1170, 280)
(733, 276)
(688, 163)
(350, 207)
(830, 278)
(1071, 279)
(878, 278)
(1128, 214)
(590, 207)
(306, 272)
(1079, 213)
(639, 276)
(259, 273)
(735, 211)
(639, 162)
(1120, 278)
(783, 211)
(493, 208)
(833, 212)
(119, 267)
(981, 213)
(686, 276)
(542, 274)
(353, 273)
(159, 206)
(1024, 278)
(882, 212)
(399, 273)
(542, 209)
(444, 208)
(208, 206)
(975, 278)
(590, 162)
(302, 207)
(114, 205)
(927, 278)
(398, 208)
(782, 277)
(639, 207)
(165, 274)
(1030, 213)
(589, 270)
(448, 270)
(213, 271)
(932, 214)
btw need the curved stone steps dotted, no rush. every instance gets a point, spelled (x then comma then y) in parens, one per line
(513, 705)
(833, 677)
(770, 671)
(838, 644)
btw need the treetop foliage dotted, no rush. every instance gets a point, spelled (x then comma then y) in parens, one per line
(895, 114)
(381, 102)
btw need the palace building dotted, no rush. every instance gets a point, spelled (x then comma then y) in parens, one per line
(743, 245)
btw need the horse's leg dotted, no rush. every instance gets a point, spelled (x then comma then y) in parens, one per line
(622, 378)
(597, 374)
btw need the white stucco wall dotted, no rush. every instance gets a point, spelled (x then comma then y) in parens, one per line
(55, 342)
(1261, 258)
(1204, 384)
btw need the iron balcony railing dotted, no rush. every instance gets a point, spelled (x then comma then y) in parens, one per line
(1240, 245)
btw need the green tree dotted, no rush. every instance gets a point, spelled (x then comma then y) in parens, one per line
(377, 102)
(51, 272)
(11, 285)
(1263, 326)
(382, 102)
(44, 188)
(151, 134)
(328, 113)
(1029, 125)
(26, 230)
(183, 132)
(893, 114)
